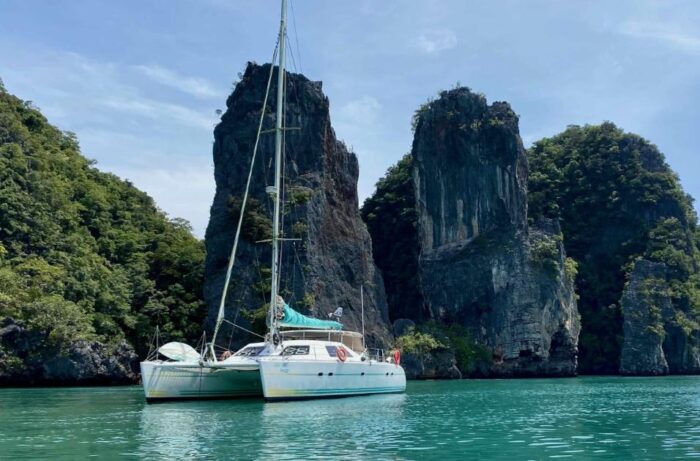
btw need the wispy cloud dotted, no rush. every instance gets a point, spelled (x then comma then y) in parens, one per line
(182, 190)
(198, 87)
(162, 145)
(160, 111)
(669, 34)
(362, 110)
(361, 124)
(74, 84)
(435, 40)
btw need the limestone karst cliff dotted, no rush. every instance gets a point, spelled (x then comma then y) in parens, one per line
(495, 292)
(660, 337)
(333, 259)
(618, 201)
(480, 265)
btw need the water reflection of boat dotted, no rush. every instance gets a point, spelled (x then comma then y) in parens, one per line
(360, 428)
(171, 432)
(200, 430)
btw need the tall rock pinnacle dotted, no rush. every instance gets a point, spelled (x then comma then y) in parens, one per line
(480, 266)
(333, 258)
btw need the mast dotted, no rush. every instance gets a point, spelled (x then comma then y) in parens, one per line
(278, 174)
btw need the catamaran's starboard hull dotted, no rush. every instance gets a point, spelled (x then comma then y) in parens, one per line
(169, 381)
(292, 379)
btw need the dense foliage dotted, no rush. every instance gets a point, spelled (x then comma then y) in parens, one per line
(430, 337)
(391, 219)
(84, 254)
(617, 200)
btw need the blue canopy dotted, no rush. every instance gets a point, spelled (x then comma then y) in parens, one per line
(294, 319)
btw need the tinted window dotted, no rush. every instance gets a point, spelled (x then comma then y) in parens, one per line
(250, 351)
(295, 350)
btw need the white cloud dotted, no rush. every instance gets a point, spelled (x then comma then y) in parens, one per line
(363, 110)
(359, 122)
(198, 87)
(436, 40)
(95, 91)
(160, 110)
(667, 33)
(182, 190)
(162, 146)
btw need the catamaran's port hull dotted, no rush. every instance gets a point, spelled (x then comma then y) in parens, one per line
(172, 381)
(298, 380)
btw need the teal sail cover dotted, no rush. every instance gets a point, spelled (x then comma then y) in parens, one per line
(294, 319)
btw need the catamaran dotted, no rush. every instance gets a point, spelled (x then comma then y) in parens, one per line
(300, 357)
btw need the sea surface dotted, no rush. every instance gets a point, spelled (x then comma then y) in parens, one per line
(578, 418)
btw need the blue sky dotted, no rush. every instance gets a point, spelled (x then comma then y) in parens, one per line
(140, 81)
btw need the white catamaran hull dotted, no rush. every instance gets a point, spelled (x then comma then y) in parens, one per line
(172, 380)
(295, 379)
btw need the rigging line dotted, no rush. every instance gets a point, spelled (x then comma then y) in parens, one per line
(230, 340)
(301, 269)
(292, 297)
(296, 34)
(244, 329)
(289, 85)
(257, 266)
(284, 176)
(232, 258)
(291, 53)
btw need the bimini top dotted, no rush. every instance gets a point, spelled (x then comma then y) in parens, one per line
(293, 319)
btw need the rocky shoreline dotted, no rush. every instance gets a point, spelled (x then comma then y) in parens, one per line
(27, 360)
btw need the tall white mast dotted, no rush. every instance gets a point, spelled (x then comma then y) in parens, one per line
(278, 174)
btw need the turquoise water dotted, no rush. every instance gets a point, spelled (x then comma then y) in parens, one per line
(581, 418)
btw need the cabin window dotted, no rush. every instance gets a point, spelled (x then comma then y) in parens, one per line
(250, 351)
(295, 350)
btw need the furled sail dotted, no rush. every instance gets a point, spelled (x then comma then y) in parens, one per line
(293, 319)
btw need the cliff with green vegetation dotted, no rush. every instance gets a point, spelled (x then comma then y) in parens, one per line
(482, 290)
(88, 264)
(619, 202)
(629, 230)
(391, 218)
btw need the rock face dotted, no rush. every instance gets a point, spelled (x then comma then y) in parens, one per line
(654, 340)
(480, 266)
(26, 359)
(440, 364)
(334, 257)
(645, 302)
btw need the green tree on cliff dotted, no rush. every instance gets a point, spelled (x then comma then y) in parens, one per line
(391, 219)
(616, 199)
(85, 255)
